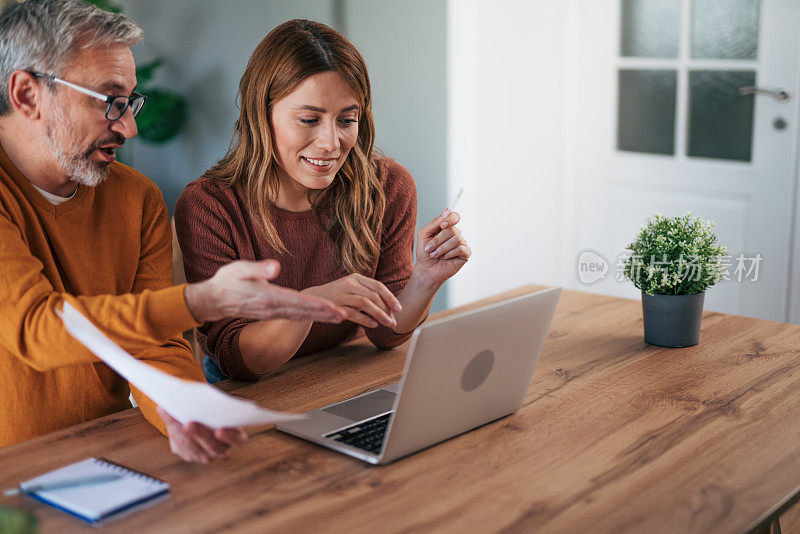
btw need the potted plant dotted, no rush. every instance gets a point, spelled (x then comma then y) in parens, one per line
(673, 261)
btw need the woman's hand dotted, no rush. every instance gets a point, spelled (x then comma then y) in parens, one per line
(441, 250)
(365, 301)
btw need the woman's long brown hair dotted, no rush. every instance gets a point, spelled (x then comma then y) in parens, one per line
(287, 56)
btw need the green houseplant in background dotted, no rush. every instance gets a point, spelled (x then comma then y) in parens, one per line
(164, 114)
(674, 261)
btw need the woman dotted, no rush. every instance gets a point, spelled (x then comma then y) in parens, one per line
(301, 184)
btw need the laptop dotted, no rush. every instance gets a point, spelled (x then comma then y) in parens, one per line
(461, 372)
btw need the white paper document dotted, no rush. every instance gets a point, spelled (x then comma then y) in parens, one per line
(184, 400)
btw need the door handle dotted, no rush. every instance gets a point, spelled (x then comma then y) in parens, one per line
(777, 94)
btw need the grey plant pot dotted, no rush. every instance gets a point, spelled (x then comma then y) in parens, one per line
(672, 320)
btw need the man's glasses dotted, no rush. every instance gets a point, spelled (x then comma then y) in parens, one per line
(117, 105)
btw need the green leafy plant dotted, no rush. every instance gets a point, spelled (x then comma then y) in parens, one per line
(164, 114)
(13, 521)
(675, 256)
(106, 5)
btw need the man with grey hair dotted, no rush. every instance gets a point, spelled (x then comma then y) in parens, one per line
(77, 226)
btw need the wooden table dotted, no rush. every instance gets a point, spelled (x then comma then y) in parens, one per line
(615, 436)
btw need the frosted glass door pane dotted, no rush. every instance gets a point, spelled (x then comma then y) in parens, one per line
(650, 28)
(725, 29)
(646, 121)
(720, 120)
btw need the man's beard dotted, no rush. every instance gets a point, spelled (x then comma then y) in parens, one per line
(73, 160)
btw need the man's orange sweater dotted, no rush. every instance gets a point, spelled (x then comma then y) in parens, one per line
(107, 251)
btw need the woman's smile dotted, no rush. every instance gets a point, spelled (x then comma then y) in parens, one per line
(320, 164)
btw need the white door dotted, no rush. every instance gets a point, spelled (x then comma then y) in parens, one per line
(660, 126)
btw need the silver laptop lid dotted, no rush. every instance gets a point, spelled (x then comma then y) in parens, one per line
(467, 370)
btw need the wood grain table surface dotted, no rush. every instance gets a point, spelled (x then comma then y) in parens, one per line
(615, 435)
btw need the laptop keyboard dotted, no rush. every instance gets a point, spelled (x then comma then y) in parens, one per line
(367, 435)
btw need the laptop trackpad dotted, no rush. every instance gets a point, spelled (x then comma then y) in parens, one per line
(364, 407)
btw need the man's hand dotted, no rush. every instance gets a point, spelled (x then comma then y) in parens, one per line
(196, 442)
(242, 289)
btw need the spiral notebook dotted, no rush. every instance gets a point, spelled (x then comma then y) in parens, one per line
(101, 501)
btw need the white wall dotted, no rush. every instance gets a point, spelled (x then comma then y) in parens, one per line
(506, 93)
